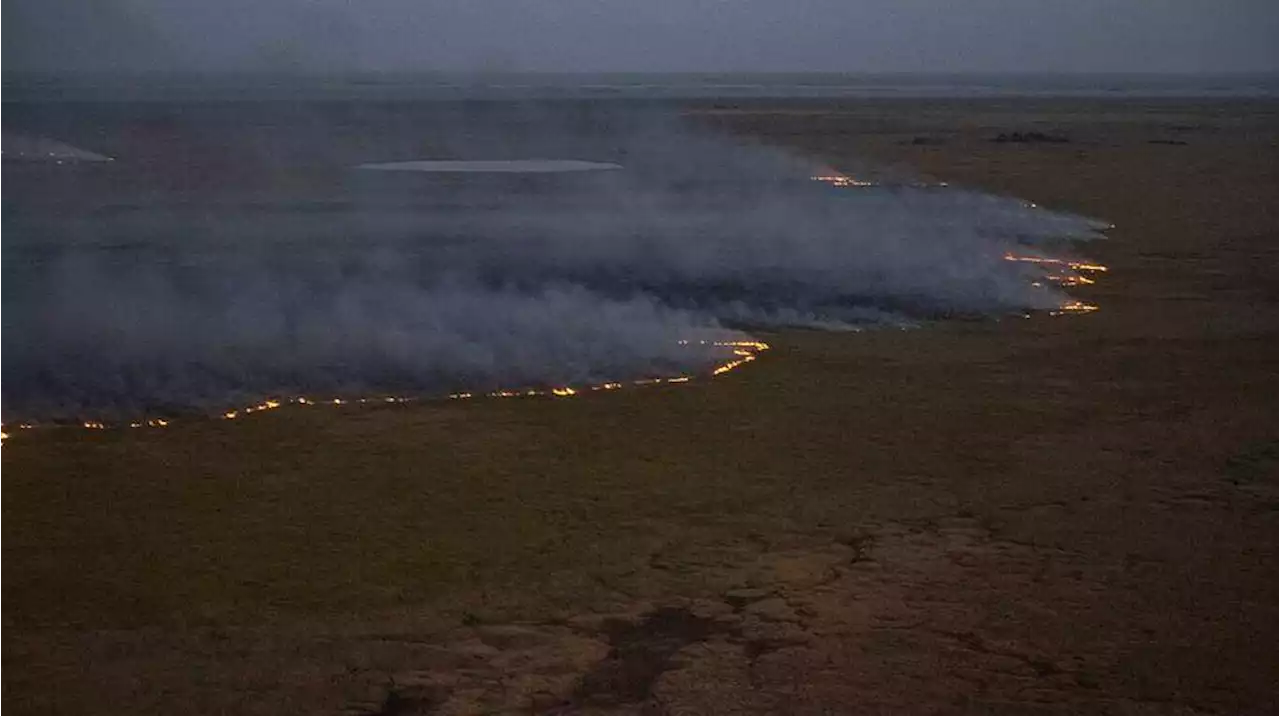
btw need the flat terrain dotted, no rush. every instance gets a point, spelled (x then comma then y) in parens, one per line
(1053, 515)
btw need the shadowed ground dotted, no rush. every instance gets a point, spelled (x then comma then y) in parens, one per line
(1025, 516)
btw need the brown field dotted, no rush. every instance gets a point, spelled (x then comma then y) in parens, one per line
(1054, 515)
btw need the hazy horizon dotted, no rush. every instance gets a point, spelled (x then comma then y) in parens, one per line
(921, 36)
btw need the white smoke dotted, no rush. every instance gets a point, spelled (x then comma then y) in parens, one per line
(241, 262)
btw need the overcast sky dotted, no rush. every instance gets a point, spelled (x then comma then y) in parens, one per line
(649, 35)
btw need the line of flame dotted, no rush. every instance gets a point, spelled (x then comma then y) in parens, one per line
(746, 350)
(1070, 306)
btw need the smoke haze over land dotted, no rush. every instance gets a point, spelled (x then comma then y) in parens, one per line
(230, 252)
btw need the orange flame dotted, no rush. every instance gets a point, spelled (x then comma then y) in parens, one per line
(745, 351)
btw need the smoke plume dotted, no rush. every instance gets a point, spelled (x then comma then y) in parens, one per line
(235, 251)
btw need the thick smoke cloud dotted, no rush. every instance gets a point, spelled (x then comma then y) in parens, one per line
(234, 252)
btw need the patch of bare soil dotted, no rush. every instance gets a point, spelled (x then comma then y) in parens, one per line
(895, 619)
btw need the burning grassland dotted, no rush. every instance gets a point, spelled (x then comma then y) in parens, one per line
(133, 297)
(743, 352)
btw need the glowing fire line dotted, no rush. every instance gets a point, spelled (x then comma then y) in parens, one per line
(1043, 260)
(1072, 273)
(745, 351)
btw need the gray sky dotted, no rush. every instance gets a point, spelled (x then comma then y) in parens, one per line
(657, 35)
